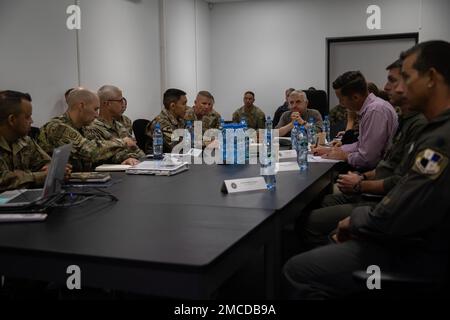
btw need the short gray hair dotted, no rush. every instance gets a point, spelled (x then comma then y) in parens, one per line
(107, 92)
(301, 93)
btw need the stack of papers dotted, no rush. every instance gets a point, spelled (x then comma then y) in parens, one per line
(287, 166)
(166, 167)
(312, 158)
(287, 154)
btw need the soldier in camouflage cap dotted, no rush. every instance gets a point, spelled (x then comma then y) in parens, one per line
(254, 116)
(23, 163)
(170, 119)
(71, 128)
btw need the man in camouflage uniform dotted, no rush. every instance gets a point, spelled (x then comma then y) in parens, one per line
(23, 164)
(71, 128)
(107, 126)
(255, 117)
(170, 119)
(203, 111)
(407, 232)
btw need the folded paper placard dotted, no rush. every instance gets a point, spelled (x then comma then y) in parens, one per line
(244, 185)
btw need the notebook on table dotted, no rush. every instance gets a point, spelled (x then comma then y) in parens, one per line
(168, 167)
(112, 167)
(89, 177)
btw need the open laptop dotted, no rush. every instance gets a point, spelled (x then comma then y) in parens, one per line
(52, 186)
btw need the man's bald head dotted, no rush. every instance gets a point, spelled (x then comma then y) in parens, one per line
(83, 106)
(81, 95)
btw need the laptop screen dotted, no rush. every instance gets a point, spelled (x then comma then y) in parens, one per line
(56, 170)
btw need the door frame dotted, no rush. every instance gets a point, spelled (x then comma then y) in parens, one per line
(396, 36)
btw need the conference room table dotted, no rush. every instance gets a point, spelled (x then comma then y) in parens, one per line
(177, 236)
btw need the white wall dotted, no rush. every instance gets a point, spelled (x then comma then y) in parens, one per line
(203, 59)
(119, 45)
(267, 46)
(369, 57)
(37, 53)
(260, 45)
(187, 46)
(435, 20)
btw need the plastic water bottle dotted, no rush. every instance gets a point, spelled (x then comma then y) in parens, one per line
(327, 129)
(189, 135)
(240, 144)
(223, 143)
(302, 149)
(247, 139)
(157, 143)
(311, 131)
(230, 144)
(267, 164)
(235, 127)
(294, 134)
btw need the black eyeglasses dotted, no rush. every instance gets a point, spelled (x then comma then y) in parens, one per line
(123, 100)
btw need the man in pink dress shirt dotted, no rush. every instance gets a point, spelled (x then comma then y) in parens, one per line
(378, 123)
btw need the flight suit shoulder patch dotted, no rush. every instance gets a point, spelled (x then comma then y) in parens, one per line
(430, 163)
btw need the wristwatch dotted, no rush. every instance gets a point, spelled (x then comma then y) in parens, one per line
(357, 187)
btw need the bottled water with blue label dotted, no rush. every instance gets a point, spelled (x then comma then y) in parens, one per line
(294, 134)
(230, 143)
(240, 144)
(223, 142)
(327, 129)
(157, 143)
(302, 149)
(189, 135)
(311, 131)
(247, 139)
(267, 163)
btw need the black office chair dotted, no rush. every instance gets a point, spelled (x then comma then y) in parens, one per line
(139, 126)
(34, 133)
(398, 285)
(318, 100)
